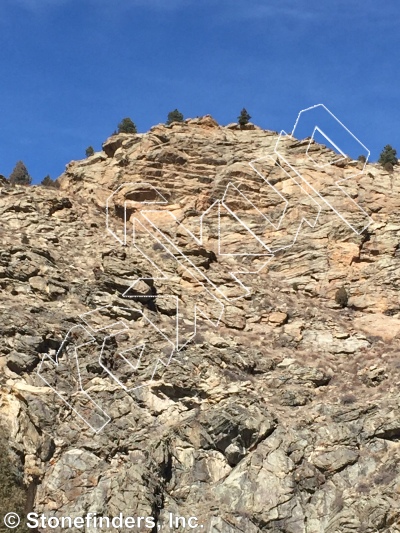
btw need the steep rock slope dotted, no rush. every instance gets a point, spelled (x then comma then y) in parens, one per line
(284, 417)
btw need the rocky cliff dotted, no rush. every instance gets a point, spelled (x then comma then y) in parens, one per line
(173, 342)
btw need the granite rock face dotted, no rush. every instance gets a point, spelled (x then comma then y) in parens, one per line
(285, 416)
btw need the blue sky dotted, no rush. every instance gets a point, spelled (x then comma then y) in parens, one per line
(70, 70)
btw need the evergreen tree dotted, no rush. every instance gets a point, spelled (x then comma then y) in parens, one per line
(243, 118)
(174, 116)
(48, 182)
(388, 155)
(20, 175)
(89, 151)
(127, 126)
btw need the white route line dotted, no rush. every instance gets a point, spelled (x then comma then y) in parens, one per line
(55, 363)
(150, 229)
(302, 178)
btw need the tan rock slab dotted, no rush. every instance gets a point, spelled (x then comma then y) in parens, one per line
(38, 283)
(345, 253)
(277, 318)
(378, 325)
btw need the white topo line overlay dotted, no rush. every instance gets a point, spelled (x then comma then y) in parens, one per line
(142, 221)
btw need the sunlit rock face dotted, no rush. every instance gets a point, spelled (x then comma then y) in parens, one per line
(171, 340)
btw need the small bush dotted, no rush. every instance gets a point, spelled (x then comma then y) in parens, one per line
(362, 158)
(89, 151)
(348, 399)
(199, 338)
(363, 488)
(388, 155)
(341, 297)
(13, 495)
(386, 475)
(174, 116)
(388, 167)
(20, 175)
(243, 118)
(127, 126)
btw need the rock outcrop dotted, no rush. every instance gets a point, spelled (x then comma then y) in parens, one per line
(283, 417)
